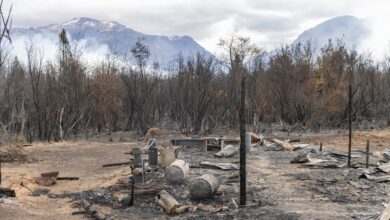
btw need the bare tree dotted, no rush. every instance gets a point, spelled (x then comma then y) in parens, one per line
(5, 29)
(140, 87)
(239, 50)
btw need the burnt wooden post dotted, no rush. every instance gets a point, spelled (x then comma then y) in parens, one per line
(367, 153)
(350, 124)
(242, 144)
(132, 192)
(321, 146)
(143, 171)
(153, 156)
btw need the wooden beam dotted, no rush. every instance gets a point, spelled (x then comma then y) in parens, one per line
(242, 144)
(116, 164)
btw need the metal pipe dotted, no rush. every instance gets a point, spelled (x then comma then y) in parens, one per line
(132, 192)
(350, 124)
(367, 153)
(0, 171)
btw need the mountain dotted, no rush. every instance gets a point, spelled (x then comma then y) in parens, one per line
(93, 33)
(351, 30)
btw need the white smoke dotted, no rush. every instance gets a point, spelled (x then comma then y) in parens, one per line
(377, 18)
(378, 39)
(89, 49)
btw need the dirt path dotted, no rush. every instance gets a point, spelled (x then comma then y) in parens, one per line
(81, 159)
(287, 194)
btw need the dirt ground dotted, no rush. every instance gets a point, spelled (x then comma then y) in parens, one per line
(277, 189)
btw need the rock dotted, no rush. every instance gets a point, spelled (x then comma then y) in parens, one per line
(50, 174)
(40, 192)
(123, 201)
(227, 151)
(385, 167)
(385, 215)
(376, 153)
(301, 158)
(386, 155)
(45, 181)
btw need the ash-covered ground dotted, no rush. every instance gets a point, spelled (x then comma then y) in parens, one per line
(277, 189)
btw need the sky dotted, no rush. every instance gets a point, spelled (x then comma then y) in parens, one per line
(269, 23)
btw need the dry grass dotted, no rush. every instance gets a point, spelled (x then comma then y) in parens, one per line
(379, 140)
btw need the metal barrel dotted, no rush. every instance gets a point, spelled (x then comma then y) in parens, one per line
(153, 157)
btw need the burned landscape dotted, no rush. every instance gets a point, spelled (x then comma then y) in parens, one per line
(277, 188)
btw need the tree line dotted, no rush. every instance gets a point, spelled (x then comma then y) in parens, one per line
(64, 97)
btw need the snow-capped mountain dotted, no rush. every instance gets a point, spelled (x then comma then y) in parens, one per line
(351, 30)
(93, 33)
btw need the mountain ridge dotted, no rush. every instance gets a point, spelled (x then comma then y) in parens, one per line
(119, 38)
(351, 30)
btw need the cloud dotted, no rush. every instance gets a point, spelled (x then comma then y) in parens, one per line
(267, 21)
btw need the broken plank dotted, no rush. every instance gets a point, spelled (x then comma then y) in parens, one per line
(81, 212)
(314, 162)
(188, 142)
(203, 167)
(341, 154)
(385, 167)
(91, 210)
(285, 145)
(117, 164)
(378, 179)
(222, 166)
(50, 174)
(294, 140)
(68, 178)
(7, 192)
(385, 215)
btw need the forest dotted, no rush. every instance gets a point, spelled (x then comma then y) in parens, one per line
(292, 85)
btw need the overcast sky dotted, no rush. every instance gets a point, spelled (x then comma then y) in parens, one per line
(268, 22)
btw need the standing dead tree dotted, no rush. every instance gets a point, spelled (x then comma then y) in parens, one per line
(5, 38)
(140, 87)
(5, 29)
(239, 49)
(194, 91)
